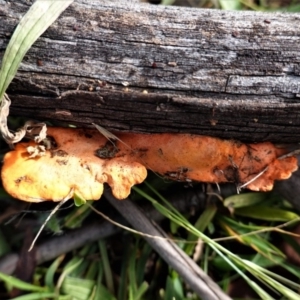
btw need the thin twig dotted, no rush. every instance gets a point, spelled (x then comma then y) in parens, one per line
(73, 239)
(199, 281)
(253, 179)
(57, 207)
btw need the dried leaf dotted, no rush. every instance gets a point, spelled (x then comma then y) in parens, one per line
(37, 131)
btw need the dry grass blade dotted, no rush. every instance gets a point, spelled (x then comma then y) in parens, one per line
(57, 207)
(39, 17)
(202, 284)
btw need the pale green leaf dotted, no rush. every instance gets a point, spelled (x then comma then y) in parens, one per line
(21, 285)
(36, 296)
(78, 288)
(230, 4)
(78, 200)
(266, 213)
(246, 199)
(33, 24)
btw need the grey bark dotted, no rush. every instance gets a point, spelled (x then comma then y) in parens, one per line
(137, 67)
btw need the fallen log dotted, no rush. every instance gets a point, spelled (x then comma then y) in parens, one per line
(137, 67)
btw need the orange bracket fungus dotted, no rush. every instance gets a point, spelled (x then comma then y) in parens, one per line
(80, 161)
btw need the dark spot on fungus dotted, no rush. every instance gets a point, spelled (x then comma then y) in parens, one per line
(217, 171)
(59, 153)
(62, 162)
(238, 144)
(49, 142)
(18, 180)
(23, 178)
(85, 166)
(179, 175)
(141, 149)
(184, 169)
(231, 173)
(256, 158)
(109, 150)
(88, 135)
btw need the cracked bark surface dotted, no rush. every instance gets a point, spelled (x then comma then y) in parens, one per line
(137, 67)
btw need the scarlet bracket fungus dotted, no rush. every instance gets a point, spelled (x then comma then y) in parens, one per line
(71, 167)
(83, 160)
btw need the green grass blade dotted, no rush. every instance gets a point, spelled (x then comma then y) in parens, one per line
(165, 201)
(92, 271)
(4, 245)
(21, 285)
(267, 213)
(36, 296)
(261, 274)
(230, 4)
(258, 242)
(49, 277)
(82, 269)
(122, 290)
(141, 263)
(205, 218)
(245, 199)
(278, 277)
(106, 266)
(33, 24)
(78, 288)
(233, 260)
(141, 290)
(66, 272)
(132, 275)
(101, 292)
(77, 216)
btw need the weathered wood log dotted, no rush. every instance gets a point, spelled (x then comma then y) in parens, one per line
(131, 66)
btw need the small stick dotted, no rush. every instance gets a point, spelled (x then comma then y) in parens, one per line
(57, 207)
